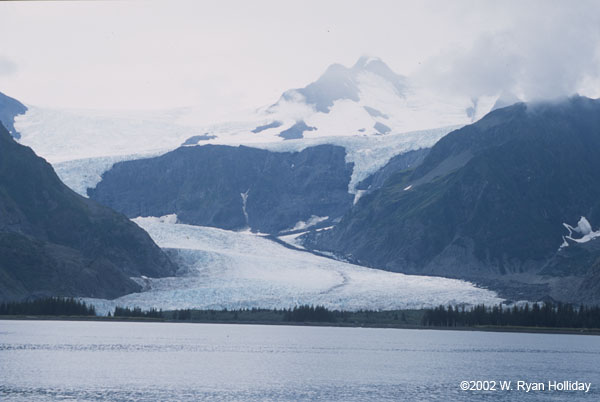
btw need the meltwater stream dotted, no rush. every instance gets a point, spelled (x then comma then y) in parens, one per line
(88, 361)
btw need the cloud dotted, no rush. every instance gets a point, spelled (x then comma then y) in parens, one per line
(7, 66)
(544, 53)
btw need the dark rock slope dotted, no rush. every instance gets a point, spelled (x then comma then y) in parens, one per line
(489, 201)
(232, 187)
(55, 242)
(9, 109)
(405, 161)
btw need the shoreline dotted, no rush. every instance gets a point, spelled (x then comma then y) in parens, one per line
(482, 328)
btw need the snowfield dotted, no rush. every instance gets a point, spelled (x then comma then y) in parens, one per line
(383, 116)
(60, 135)
(233, 270)
(378, 115)
(368, 153)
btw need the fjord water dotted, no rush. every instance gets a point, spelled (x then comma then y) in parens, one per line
(56, 360)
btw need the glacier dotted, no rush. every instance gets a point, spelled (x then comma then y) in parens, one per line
(226, 269)
(82, 144)
(81, 174)
(368, 153)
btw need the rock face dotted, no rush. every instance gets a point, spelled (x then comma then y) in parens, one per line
(296, 131)
(489, 201)
(9, 109)
(55, 242)
(232, 187)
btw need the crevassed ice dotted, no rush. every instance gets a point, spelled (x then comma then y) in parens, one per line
(242, 270)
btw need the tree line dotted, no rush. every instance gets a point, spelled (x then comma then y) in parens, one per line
(57, 306)
(136, 312)
(306, 313)
(552, 315)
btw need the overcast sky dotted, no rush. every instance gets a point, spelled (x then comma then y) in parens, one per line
(225, 55)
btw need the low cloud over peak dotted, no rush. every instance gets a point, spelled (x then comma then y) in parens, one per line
(544, 56)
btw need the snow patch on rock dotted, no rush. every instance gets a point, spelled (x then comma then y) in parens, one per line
(312, 221)
(584, 228)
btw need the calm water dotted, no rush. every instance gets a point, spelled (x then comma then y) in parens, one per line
(56, 360)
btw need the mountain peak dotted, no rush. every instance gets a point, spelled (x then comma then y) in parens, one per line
(364, 61)
(340, 82)
(335, 68)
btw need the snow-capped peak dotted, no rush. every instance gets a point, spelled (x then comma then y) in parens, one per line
(369, 98)
(372, 111)
(365, 100)
(342, 83)
(366, 60)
